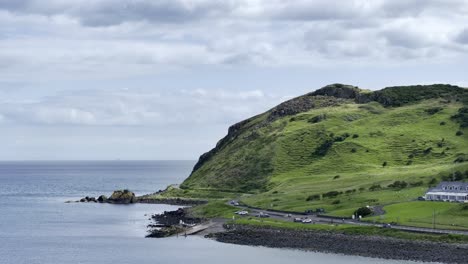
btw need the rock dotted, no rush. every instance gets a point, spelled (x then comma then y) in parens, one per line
(102, 199)
(91, 199)
(83, 200)
(122, 197)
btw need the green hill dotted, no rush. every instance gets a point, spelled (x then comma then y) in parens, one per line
(340, 148)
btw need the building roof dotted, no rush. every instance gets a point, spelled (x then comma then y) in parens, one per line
(451, 187)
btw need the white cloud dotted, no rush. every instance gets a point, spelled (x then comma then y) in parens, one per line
(143, 108)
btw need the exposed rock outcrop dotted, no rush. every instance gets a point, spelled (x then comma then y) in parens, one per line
(122, 197)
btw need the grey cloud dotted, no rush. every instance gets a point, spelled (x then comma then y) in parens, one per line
(138, 108)
(404, 38)
(108, 13)
(463, 36)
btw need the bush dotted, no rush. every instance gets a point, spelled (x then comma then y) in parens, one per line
(398, 185)
(459, 133)
(375, 187)
(461, 117)
(461, 158)
(350, 191)
(341, 138)
(427, 151)
(317, 119)
(416, 184)
(433, 110)
(384, 164)
(355, 136)
(336, 177)
(313, 197)
(432, 182)
(324, 147)
(331, 194)
(336, 202)
(363, 211)
(442, 123)
(353, 150)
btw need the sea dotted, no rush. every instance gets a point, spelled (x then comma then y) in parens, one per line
(37, 226)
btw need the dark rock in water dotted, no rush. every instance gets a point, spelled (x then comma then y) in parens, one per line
(102, 199)
(165, 231)
(83, 200)
(91, 199)
(122, 197)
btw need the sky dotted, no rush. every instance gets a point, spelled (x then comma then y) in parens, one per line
(141, 79)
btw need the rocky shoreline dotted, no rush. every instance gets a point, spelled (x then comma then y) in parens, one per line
(367, 246)
(171, 223)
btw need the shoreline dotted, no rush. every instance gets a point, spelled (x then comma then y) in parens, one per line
(339, 243)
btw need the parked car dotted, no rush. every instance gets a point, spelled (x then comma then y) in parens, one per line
(242, 212)
(287, 215)
(297, 220)
(387, 226)
(306, 221)
(263, 215)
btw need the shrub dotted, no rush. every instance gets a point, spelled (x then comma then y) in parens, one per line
(433, 181)
(398, 185)
(317, 119)
(442, 123)
(336, 177)
(341, 138)
(461, 117)
(313, 197)
(461, 158)
(355, 136)
(459, 133)
(361, 189)
(324, 147)
(336, 202)
(331, 194)
(350, 191)
(416, 184)
(409, 162)
(384, 164)
(427, 151)
(375, 187)
(353, 150)
(433, 110)
(363, 211)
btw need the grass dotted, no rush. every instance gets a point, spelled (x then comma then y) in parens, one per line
(447, 215)
(352, 230)
(214, 209)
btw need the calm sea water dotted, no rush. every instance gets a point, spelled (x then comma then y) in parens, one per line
(36, 226)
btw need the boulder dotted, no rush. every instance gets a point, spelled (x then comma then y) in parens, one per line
(83, 200)
(102, 199)
(122, 197)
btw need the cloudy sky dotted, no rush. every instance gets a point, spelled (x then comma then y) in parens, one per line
(163, 79)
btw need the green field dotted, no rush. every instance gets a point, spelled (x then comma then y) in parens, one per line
(342, 152)
(445, 215)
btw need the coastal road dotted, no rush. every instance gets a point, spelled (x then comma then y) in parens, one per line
(288, 216)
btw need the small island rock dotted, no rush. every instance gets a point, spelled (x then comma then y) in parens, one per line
(122, 197)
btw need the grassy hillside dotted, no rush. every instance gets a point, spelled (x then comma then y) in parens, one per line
(340, 148)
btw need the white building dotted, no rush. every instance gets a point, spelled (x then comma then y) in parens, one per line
(449, 191)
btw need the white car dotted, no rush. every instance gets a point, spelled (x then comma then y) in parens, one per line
(242, 212)
(307, 221)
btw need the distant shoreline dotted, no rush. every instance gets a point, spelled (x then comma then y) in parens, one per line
(360, 245)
